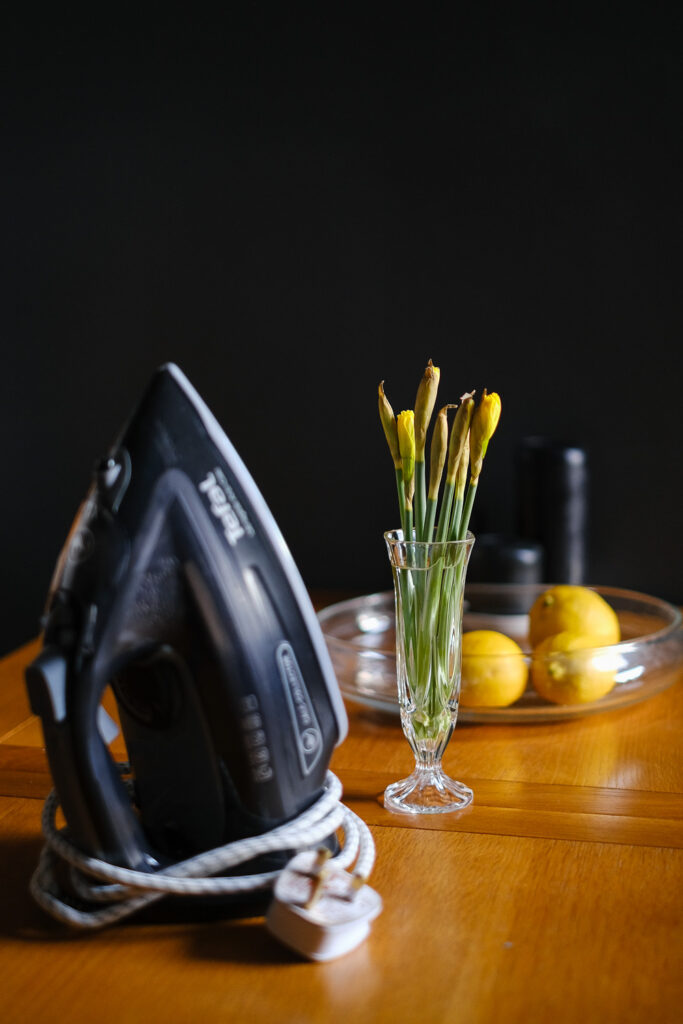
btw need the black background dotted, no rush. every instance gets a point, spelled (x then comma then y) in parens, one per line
(293, 210)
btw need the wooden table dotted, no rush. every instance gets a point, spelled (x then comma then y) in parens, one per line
(555, 897)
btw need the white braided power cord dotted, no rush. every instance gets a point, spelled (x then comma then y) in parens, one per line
(126, 891)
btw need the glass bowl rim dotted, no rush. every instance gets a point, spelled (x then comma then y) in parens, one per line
(665, 608)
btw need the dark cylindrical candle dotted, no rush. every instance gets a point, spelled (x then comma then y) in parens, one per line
(553, 505)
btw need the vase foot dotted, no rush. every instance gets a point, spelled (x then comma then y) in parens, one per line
(427, 791)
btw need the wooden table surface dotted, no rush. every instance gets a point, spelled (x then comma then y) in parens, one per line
(555, 897)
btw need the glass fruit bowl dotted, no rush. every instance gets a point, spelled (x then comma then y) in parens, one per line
(360, 638)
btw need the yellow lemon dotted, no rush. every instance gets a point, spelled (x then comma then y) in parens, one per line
(494, 672)
(572, 609)
(571, 669)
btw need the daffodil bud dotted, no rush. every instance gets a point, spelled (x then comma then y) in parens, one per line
(438, 450)
(484, 423)
(386, 415)
(459, 432)
(424, 406)
(406, 444)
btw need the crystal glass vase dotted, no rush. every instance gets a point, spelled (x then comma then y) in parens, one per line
(429, 580)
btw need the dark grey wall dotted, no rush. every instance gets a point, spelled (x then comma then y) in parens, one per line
(294, 213)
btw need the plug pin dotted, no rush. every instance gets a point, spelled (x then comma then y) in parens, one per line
(319, 874)
(356, 883)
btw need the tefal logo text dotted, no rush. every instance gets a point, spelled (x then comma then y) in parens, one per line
(222, 509)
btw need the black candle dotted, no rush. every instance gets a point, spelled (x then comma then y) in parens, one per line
(553, 505)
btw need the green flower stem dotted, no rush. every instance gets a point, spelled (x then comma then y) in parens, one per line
(430, 518)
(430, 603)
(417, 554)
(461, 521)
(404, 582)
(460, 487)
(408, 531)
(443, 640)
(420, 499)
(445, 611)
(401, 497)
(467, 510)
(445, 513)
(456, 517)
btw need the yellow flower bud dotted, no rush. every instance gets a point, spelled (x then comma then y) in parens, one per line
(386, 415)
(424, 406)
(484, 423)
(406, 444)
(438, 450)
(459, 431)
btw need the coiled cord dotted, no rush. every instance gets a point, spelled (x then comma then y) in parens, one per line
(126, 891)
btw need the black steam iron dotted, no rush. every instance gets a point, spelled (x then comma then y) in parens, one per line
(175, 588)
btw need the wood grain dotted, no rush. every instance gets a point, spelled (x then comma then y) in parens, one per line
(475, 928)
(556, 896)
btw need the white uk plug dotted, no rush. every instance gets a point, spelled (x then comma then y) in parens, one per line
(320, 910)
